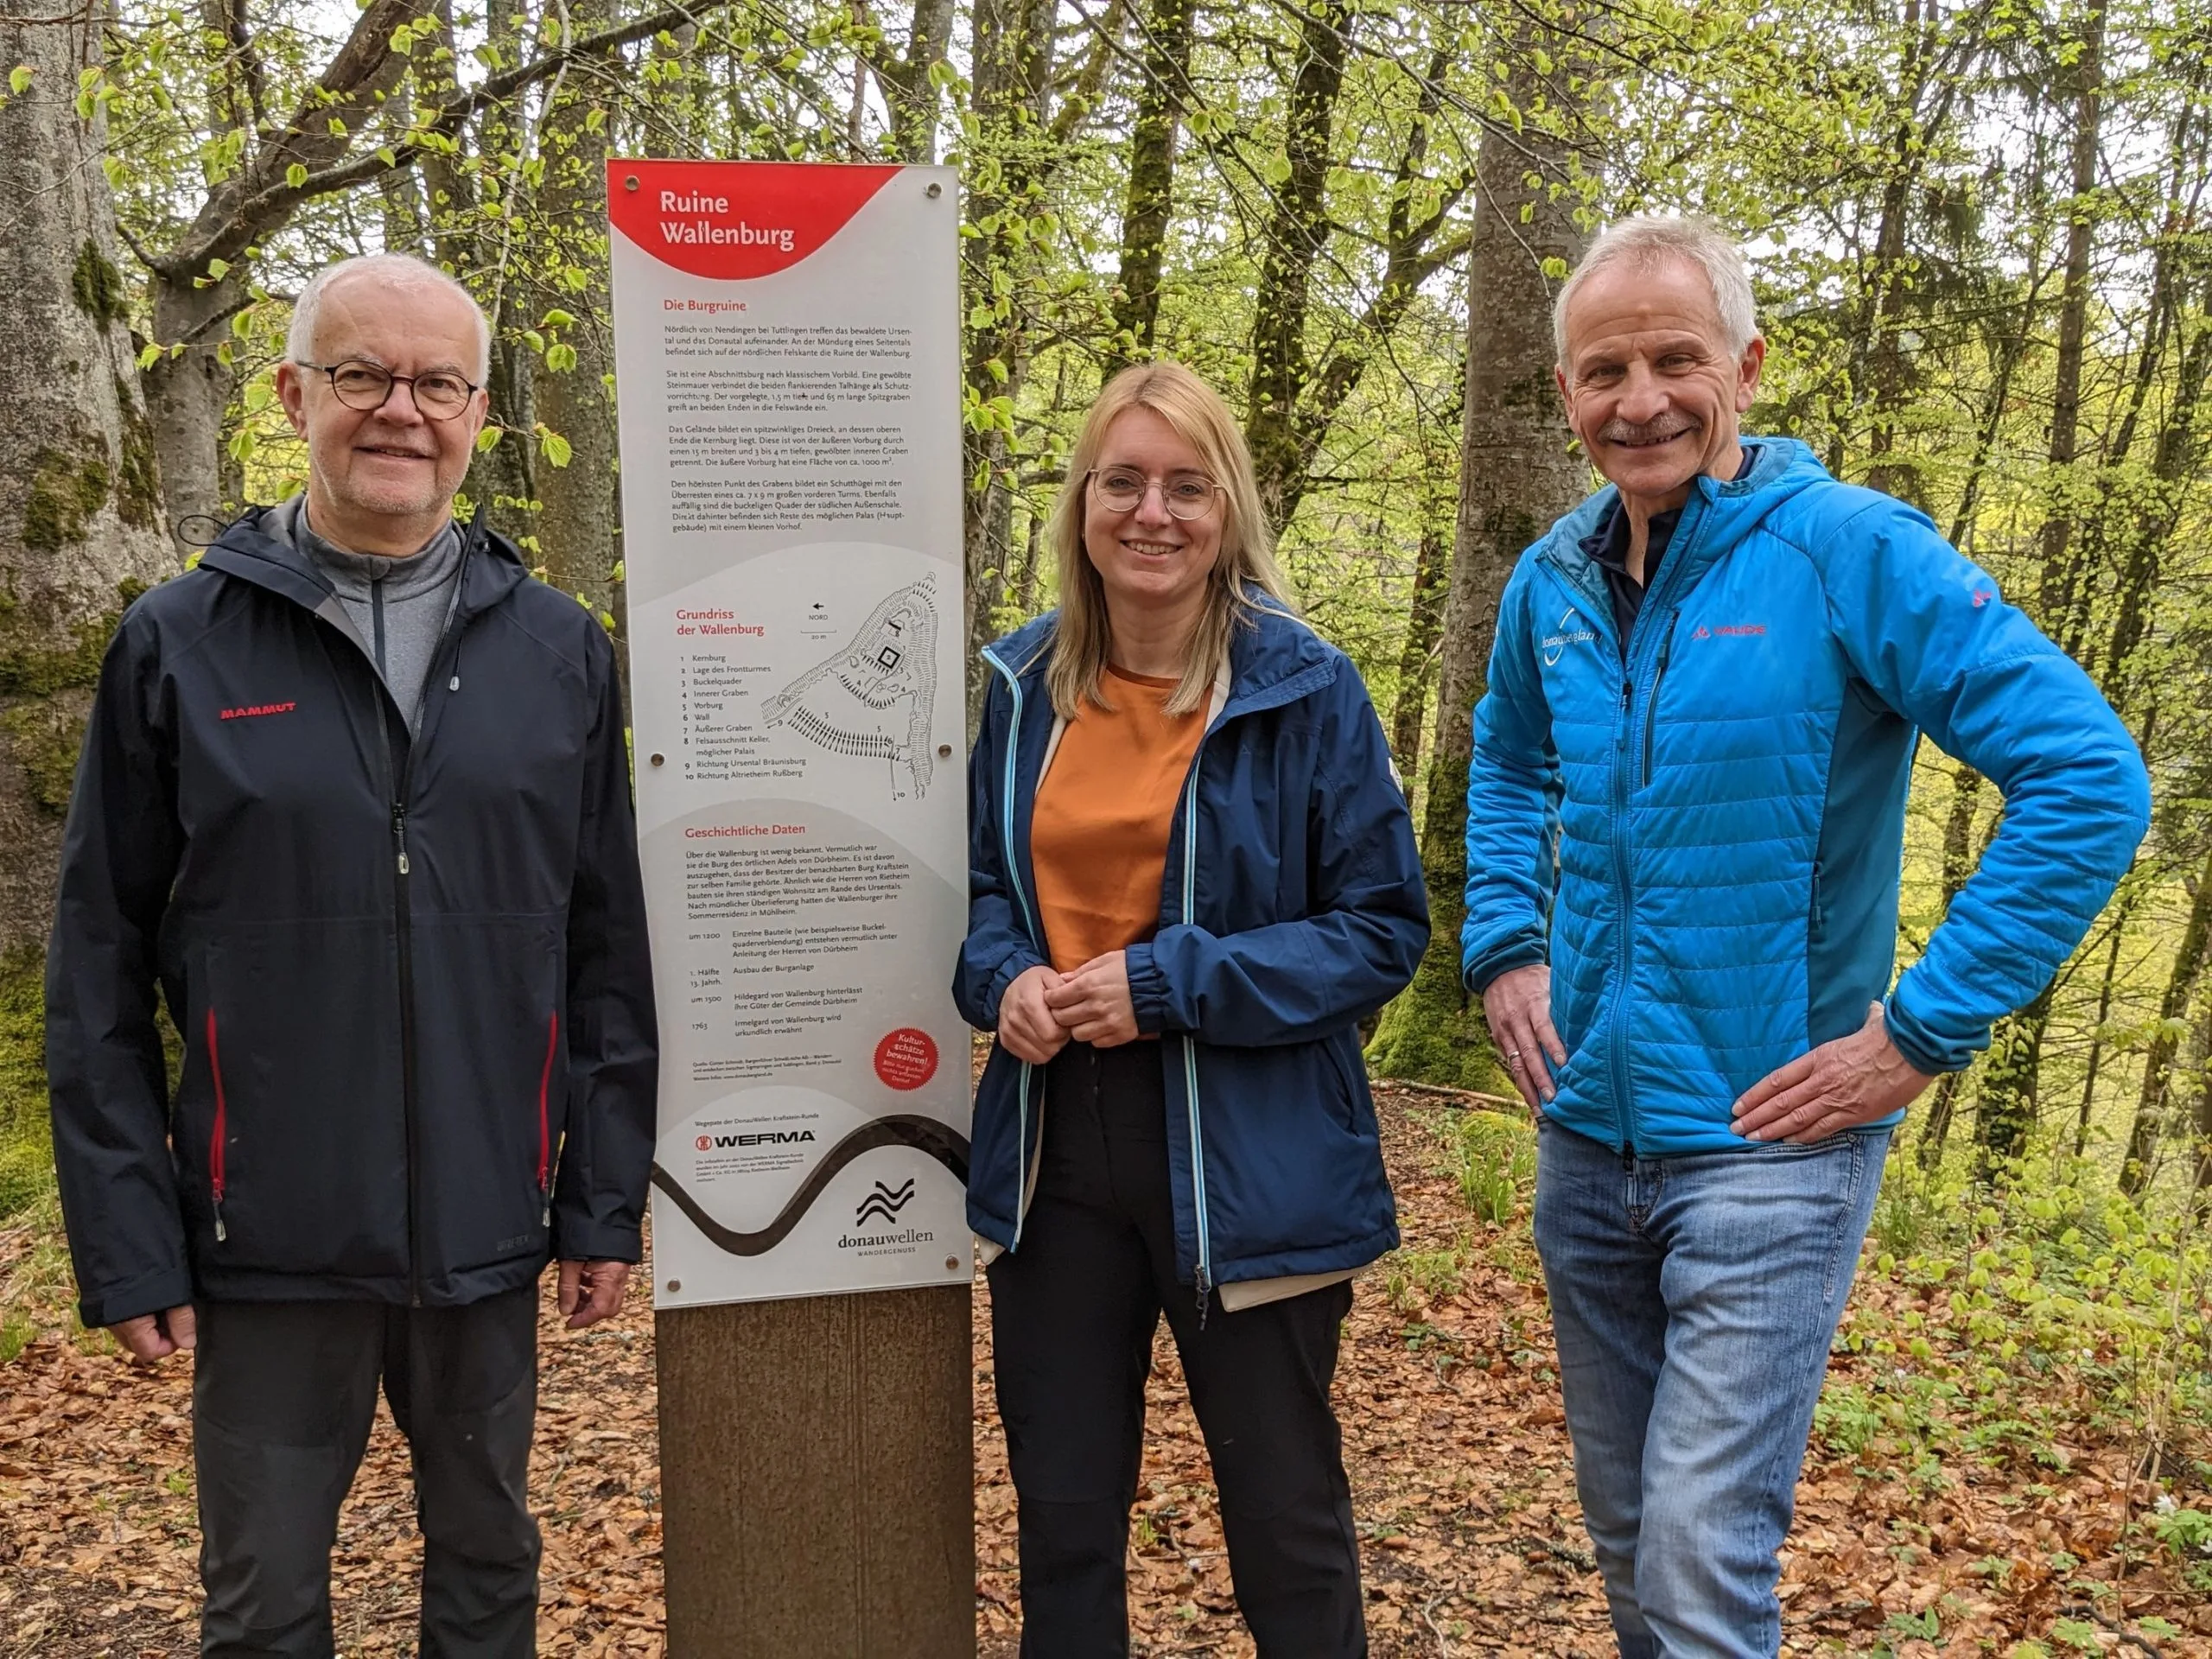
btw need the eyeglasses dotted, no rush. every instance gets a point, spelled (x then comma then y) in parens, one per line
(1122, 489)
(440, 395)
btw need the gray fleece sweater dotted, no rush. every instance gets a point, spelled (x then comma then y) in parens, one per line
(397, 606)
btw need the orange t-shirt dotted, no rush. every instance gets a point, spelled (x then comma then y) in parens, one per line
(1098, 833)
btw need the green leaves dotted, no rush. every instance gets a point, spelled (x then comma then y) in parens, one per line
(19, 79)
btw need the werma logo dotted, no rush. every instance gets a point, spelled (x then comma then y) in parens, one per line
(253, 708)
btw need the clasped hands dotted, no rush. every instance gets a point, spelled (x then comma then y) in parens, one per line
(1837, 1086)
(1043, 1008)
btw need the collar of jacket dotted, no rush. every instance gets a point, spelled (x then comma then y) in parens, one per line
(246, 551)
(1717, 517)
(1274, 659)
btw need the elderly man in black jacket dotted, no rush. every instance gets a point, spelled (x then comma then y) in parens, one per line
(355, 798)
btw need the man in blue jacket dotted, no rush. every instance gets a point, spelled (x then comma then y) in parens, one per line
(1685, 821)
(355, 807)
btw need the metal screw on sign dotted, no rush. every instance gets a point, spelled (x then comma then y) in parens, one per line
(630, 182)
(944, 750)
(675, 1284)
(934, 192)
(952, 1264)
(660, 760)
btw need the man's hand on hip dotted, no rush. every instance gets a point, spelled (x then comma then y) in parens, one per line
(591, 1291)
(1839, 1086)
(156, 1336)
(1518, 1006)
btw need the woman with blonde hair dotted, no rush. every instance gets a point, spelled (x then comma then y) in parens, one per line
(1193, 875)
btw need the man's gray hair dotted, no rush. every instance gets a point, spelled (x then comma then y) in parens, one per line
(1650, 240)
(403, 269)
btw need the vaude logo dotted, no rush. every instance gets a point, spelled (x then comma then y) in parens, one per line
(1555, 645)
(884, 1202)
(762, 1138)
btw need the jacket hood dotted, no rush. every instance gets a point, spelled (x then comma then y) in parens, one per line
(1780, 467)
(247, 551)
(1274, 658)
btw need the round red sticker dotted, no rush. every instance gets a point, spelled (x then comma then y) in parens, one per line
(906, 1058)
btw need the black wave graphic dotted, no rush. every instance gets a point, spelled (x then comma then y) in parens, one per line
(945, 1144)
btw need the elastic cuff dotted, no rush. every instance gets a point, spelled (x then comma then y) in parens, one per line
(153, 1293)
(1017, 964)
(1913, 1040)
(1148, 988)
(1480, 974)
(577, 1238)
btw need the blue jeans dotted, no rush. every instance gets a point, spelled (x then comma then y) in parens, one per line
(1693, 1300)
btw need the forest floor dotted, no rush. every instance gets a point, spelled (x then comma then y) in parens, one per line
(1463, 1488)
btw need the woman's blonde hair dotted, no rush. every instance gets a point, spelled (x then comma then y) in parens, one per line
(1243, 573)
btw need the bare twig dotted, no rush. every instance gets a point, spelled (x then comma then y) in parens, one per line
(1464, 1096)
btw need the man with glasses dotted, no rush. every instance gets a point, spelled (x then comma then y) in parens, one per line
(354, 799)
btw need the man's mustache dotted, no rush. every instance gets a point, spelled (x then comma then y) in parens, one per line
(1666, 426)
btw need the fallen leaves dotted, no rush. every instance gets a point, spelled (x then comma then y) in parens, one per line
(1463, 1490)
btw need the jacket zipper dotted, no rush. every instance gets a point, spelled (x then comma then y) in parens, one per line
(1205, 1278)
(1029, 921)
(215, 1140)
(1678, 554)
(1651, 703)
(545, 1124)
(403, 916)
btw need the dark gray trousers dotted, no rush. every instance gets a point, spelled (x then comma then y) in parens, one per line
(283, 1394)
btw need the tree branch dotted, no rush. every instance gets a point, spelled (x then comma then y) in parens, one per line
(251, 216)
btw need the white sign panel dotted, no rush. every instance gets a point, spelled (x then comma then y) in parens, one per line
(787, 366)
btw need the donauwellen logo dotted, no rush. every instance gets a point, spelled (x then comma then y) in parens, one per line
(884, 1203)
(1555, 645)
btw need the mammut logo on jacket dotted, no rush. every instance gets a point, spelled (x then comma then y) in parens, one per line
(253, 708)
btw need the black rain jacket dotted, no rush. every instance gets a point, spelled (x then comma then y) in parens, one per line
(409, 967)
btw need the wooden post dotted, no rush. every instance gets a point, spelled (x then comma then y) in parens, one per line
(817, 1470)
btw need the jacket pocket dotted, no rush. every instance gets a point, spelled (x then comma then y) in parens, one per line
(215, 1138)
(491, 1078)
(1293, 1166)
(297, 1070)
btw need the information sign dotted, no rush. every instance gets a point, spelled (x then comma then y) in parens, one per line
(787, 376)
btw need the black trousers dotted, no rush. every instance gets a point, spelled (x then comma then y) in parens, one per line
(1072, 1316)
(283, 1394)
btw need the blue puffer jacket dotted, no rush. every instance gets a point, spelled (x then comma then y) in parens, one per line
(1292, 908)
(1730, 797)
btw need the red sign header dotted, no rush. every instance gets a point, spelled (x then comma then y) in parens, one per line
(735, 219)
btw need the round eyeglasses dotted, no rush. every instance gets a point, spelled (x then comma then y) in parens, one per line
(1122, 489)
(440, 395)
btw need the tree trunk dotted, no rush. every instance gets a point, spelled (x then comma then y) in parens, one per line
(2073, 298)
(1149, 203)
(1958, 851)
(578, 524)
(2004, 1116)
(2144, 1132)
(908, 90)
(1431, 572)
(2097, 1038)
(1517, 474)
(79, 483)
(2200, 1184)
(1297, 230)
(1009, 155)
(1416, 654)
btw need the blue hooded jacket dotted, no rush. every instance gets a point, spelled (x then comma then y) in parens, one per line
(1292, 908)
(1702, 832)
